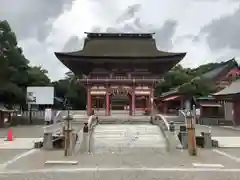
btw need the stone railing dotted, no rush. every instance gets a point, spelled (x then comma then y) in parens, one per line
(57, 117)
(171, 138)
(94, 123)
(53, 128)
(34, 113)
(84, 144)
(182, 116)
(163, 121)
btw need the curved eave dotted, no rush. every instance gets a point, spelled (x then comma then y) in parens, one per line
(71, 56)
(84, 64)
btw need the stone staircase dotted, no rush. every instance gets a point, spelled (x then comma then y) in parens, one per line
(120, 119)
(118, 112)
(125, 138)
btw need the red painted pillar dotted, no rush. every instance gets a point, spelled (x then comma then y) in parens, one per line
(146, 103)
(89, 102)
(107, 104)
(151, 101)
(133, 103)
(130, 105)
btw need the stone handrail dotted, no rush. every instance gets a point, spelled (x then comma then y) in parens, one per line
(53, 127)
(171, 138)
(164, 127)
(182, 115)
(164, 120)
(57, 117)
(90, 119)
(85, 139)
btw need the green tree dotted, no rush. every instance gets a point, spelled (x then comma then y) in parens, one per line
(198, 87)
(176, 77)
(15, 72)
(71, 90)
(36, 76)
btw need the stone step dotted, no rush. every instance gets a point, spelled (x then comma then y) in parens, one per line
(112, 138)
(124, 122)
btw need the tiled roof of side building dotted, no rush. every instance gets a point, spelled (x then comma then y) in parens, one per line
(211, 75)
(222, 70)
(210, 97)
(233, 88)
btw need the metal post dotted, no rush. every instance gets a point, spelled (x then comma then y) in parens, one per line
(30, 114)
(192, 149)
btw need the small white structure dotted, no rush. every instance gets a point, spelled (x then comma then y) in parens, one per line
(48, 115)
(40, 95)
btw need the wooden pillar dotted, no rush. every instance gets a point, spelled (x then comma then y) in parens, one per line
(133, 103)
(89, 102)
(146, 103)
(130, 105)
(107, 104)
(151, 101)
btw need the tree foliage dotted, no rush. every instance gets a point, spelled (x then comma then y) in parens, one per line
(15, 72)
(71, 90)
(188, 80)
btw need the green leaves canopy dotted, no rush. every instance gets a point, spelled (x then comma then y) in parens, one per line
(15, 72)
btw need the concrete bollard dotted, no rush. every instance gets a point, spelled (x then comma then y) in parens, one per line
(207, 140)
(48, 141)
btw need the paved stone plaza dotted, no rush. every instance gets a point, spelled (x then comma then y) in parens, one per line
(137, 161)
(142, 165)
(24, 131)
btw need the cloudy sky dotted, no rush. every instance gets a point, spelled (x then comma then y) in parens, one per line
(208, 30)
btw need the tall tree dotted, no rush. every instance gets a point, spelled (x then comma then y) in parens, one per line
(70, 89)
(15, 72)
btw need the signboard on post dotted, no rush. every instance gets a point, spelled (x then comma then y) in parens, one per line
(41, 95)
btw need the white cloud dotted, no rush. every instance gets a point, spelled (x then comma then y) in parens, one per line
(147, 15)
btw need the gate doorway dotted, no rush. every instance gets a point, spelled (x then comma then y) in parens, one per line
(120, 102)
(120, 99)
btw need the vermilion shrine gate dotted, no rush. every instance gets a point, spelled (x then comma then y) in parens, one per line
(119, 70)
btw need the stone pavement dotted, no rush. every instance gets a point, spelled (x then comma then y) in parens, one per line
(24, 131)
(217, 131)
(237, 128)
(137, 161)
(18, 143)
(226, 137)
(126, 175)
(159, 165)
